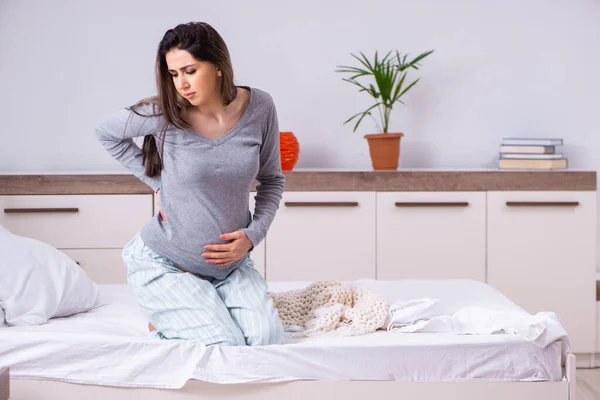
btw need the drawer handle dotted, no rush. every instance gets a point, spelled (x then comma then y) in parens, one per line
(432, 204)
(40, 210)
(321, 203)
(542, 203)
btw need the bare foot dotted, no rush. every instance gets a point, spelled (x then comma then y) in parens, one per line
(151, 327)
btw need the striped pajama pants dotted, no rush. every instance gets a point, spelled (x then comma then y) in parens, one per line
(235, 311)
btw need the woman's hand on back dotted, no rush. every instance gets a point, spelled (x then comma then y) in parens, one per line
(162, 215)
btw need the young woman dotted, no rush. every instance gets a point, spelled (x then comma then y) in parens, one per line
(205, 141)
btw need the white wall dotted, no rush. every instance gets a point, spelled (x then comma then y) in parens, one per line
(500, 68)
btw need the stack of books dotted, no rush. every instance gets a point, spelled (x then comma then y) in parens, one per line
(531, 153)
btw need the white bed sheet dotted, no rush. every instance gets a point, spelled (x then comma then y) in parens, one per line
(110, 346)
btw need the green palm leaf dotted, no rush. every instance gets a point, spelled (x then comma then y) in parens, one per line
(389, 74)
(362, 115)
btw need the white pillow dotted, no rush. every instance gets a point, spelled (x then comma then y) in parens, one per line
(39, 282)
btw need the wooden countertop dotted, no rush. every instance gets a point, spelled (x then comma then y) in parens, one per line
(323, 180)
(439, 180)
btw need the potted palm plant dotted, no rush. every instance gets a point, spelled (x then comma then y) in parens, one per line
(389, 74)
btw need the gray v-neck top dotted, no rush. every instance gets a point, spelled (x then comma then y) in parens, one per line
(205, 183)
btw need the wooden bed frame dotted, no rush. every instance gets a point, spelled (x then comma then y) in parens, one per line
(22, 389)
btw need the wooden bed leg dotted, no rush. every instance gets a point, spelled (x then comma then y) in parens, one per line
(4, 384)
(571, 373)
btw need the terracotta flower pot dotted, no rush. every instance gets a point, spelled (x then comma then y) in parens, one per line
(384, 149)
(289, 149)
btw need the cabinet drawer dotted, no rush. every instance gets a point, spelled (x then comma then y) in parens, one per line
(322, 235)
(431, 235)
(542, 255)
(103, 266)
(76, 221)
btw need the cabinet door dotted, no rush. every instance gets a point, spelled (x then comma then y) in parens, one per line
(104, 266)
(258, 253)
(322, 235)
(541, 255)
(431, 235)
(77, 221)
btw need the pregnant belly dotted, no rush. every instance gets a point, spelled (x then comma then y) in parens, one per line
(188, 238)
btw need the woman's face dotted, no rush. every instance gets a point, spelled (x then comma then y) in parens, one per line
(197, 81)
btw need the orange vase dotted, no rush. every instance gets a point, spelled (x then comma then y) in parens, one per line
(289, 150)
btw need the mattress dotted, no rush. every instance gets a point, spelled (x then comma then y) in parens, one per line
(110, 345)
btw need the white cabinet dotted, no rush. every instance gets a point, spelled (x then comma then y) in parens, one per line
(76, 221)
(322, 235)
(536, 247)
(541, 255)
(91, 229)
(104, 266)
(258, 253)
(431, 235)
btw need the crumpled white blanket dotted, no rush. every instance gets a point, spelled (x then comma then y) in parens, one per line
(422, 315)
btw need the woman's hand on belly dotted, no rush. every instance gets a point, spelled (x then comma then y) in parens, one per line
(223, 254)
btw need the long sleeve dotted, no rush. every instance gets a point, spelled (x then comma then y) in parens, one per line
(271, 182)
(116, 132)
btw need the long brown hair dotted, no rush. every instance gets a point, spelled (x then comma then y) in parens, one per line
(204, 43)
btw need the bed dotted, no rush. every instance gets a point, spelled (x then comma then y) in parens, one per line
(107, 353)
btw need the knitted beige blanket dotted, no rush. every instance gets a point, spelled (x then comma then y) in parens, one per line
(331, 308)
